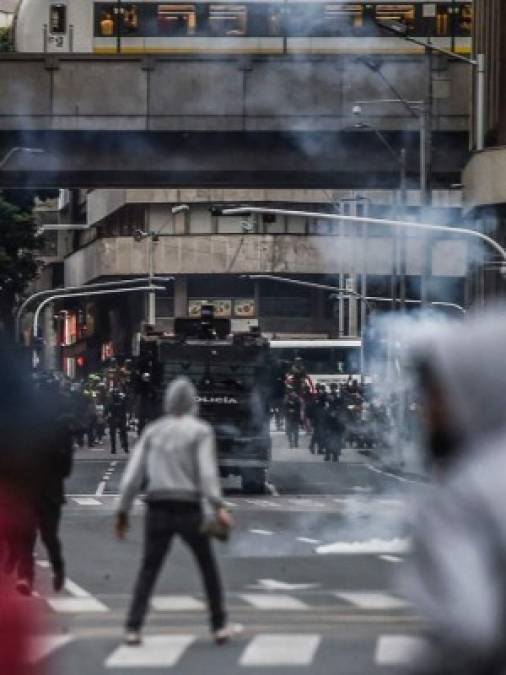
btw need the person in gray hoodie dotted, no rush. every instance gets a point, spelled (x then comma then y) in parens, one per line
(174, 463)
(456, 574)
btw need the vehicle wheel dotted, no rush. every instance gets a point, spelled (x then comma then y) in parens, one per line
(253, 482)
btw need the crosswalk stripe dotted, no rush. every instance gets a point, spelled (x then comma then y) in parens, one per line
(372, 600)
(274, 602)
(156, 651)
(86, 501)
(399, 650)
(43, 645)
(77, 605)
(280, 650)
(176, 603)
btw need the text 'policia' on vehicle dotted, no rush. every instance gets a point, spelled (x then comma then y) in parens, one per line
(232, 375)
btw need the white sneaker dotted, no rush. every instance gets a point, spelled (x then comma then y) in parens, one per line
(132, 638)
(227, 632)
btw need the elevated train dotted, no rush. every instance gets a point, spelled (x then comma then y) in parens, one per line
(238, 26)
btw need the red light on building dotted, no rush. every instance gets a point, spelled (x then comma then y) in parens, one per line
(81, 361)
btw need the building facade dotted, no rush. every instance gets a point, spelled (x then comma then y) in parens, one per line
(483, 177)
(211, 257)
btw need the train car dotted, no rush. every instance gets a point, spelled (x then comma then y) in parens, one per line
(238, 27)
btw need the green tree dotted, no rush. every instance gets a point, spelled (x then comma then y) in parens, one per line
(5, 40)
(19, 244)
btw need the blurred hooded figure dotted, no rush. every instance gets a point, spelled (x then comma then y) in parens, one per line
(174, 462)
(456, 577)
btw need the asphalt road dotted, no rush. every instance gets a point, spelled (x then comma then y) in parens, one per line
(304, 609)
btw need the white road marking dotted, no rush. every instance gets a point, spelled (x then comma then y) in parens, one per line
(392, 475)
(264, 502)
(266, 533)
(391, 558)
(86, 501)
(230, 505)
(274, 602)
(306, 502)
(370, 547)
(280, 650)
(372, 600)
(398, 650)
(77, 605)
(156, 651)
(306, 540)
(75, 590)
(274, 585)
(41, 646)
(101, 487)
(176, 603)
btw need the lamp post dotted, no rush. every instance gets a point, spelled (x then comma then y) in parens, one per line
(378, 221)
(13, 151)
(85, 294)
(398, 258)
(70, 291)
(477, 63)
(152, 237)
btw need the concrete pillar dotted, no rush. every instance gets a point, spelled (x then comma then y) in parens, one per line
(351, 285)
(180, 296)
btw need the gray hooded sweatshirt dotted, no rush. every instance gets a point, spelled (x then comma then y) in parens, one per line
(457, 575)
(175, 457)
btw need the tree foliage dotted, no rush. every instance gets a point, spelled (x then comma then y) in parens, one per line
(19, 265)
(5, 40)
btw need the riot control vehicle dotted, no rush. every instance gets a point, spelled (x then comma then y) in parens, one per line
(231, 373)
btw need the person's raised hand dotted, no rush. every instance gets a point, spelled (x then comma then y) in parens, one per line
(121, 526)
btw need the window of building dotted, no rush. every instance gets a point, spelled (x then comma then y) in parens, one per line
(164, 307)
(57, 19)
(229, 20)
(177, 19)
(396, 13)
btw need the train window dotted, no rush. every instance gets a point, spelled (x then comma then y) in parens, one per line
(131, 19)
(429, 11)
(177, 19)
(304, 19)
(442, 21)
(228, 20)
(275, 23)
(341, 17)
(58, 19)
(466, 20)
(404, 14)
(107, 22)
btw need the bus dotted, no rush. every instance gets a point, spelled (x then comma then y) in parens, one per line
(326, 361)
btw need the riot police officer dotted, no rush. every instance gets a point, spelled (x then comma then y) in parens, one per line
(117, 419)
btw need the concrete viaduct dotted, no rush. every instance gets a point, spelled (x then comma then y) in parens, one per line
(283, 121)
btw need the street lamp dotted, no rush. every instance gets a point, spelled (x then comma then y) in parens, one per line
(153, 236)
(378, 221)
(13, 151)
(478, 63)
(85, 294)
(70, 290)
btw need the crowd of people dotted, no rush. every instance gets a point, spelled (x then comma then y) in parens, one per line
(114, 401)
(341, 414)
